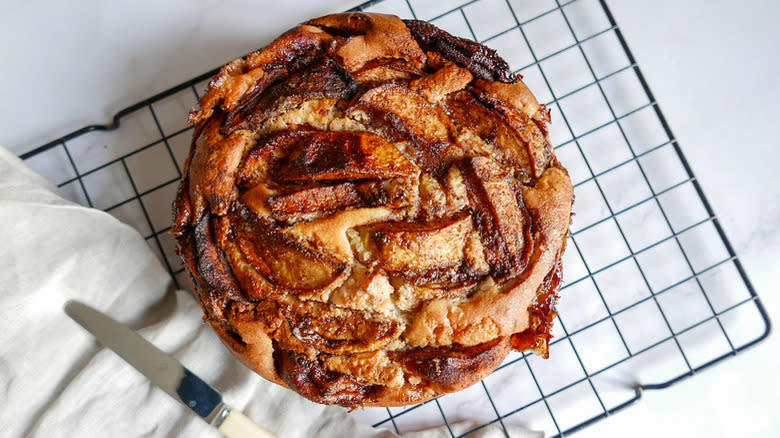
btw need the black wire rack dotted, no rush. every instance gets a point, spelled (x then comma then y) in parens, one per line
(653, 289)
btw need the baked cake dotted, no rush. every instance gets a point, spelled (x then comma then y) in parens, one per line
(372, 213)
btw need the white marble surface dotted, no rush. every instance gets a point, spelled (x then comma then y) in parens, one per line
(710, 64)
(713, 68)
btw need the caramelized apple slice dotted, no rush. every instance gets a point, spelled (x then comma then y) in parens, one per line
(280, 258)
(425, 123)
(515, 94)
(212, 266)
(258, 70)
(421, 247)
(311, 379)
(495, 136)
(483, 61)
(326, 79)
(300, 155)
(445, 366)
(337, 330)
(213, 167)
(314, 202)
(393, 193)
(255, 285)
(522, 113)
(501, 222)
(256, 167)
(380, 71)
(327, 156)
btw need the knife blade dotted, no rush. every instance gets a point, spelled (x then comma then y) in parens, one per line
(166, 372)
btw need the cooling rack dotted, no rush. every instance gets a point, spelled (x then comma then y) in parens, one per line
(653, 291)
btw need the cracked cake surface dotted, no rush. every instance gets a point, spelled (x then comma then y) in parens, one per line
(371, 212)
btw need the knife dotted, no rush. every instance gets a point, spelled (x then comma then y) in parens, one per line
(166, 372)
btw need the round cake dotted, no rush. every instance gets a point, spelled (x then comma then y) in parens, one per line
(372, 213)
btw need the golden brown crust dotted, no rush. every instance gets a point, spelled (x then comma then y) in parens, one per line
(371, 213)
(371, 36)
(449, 78)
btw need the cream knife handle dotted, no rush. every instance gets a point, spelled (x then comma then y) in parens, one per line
(238, 425)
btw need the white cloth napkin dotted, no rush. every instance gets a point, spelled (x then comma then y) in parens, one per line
(57, 381)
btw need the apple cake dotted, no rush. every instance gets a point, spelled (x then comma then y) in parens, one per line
(371, 212)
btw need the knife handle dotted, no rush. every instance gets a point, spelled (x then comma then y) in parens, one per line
(238, 425)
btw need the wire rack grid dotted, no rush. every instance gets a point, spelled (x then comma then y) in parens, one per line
(653, 291)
